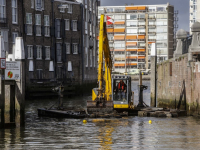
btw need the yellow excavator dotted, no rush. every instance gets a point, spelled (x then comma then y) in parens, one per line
(105, 98)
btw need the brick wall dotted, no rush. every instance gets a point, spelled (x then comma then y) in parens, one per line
(179, 84)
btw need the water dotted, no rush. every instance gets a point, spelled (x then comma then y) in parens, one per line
(124, 133)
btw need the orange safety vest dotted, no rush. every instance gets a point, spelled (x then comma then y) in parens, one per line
(119, 85)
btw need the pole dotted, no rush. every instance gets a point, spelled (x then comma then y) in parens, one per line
(2, 96)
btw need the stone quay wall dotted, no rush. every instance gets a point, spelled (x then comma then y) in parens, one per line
(178, 84)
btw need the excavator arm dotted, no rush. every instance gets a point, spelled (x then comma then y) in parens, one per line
(101, 96)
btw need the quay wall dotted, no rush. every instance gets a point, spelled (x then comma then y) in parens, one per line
(178, 84)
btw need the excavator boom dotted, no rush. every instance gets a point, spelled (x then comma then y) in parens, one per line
(101, 96)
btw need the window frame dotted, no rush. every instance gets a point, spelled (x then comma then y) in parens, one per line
(38, 24)
(68, 44)
(39, 46)
(30, 51)
(60, 52)
(74, 23)
(70, 8)
(29, 23)
(3, 16)
(75, 44)
(49, 58)
(46, 25)
(16, 9)
(67, 23)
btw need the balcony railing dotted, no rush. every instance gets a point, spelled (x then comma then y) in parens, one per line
(141, 53)
(141, 60)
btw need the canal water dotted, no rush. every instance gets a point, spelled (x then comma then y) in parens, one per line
(125, 133)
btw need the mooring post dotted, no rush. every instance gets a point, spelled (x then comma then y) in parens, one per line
(153, 74)
(2, 96)
(140, 87)
(20, 84)
(2, 81)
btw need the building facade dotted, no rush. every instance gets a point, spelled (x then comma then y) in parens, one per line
(133, 31)
(59, 39)
(194, 11)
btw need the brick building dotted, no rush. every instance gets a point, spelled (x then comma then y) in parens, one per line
(59, 40)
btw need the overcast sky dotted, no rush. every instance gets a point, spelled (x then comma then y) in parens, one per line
(181, 5)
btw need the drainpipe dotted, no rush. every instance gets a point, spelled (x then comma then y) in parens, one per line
(82, 33)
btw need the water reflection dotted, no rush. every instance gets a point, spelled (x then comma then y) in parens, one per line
(124, 133)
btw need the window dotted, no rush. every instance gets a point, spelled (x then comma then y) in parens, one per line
(62, 10)
(74, 25)
(39, 52)
(47, 52)
(75, 48)
(69, 8)
(86, 54)
(90, 58)
(39, 73)
(67, 24)
(38, 24)
(14, 35)
(132, 31)
(59, 52)
(132, 17)
(69, 66)
(14, 11)
(2, 10)
(4, 34)
(29, 23)
(30, 51)
(46, 25)
(60, 73)
(32, 4)
(161, 16)
(119, 45)
(119, 17)
(132, 23)
(39, 5)
(67, 48)
(58, 28)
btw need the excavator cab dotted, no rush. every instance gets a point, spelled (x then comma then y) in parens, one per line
(121, 99)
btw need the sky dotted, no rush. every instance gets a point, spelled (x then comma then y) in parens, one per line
(181, 5)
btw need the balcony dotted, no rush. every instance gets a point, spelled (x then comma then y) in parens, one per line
(152, 18)
(152, 26)
(141, 53)
(141, 60)
(141, 19)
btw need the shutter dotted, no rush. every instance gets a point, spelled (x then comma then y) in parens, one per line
(42, 31)
(63, 28)
(52, 31)
(64, 52)
(71, 25)
(79, 48)
(34, 29)
(52, 53)
(25, 28)
(72, 48)
(26, 51)
(56, 29)
(34, 52)
(43, 52)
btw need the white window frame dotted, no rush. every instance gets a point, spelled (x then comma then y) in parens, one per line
(47, 53)
(38, 24)
(14, 9)
(67, 24)
(37, 7)
(30, 51)
(29, 23)
(39, 52)
(16, 35)
(32, 4)
(68, 48)
(59, 37)
(69, 8)
(46, 26)
(74, 23)
(4, 34)
(3, 7)
(75, 45)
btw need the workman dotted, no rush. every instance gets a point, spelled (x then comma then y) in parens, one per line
(121, 90)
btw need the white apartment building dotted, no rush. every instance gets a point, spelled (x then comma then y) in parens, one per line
(133, 31)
